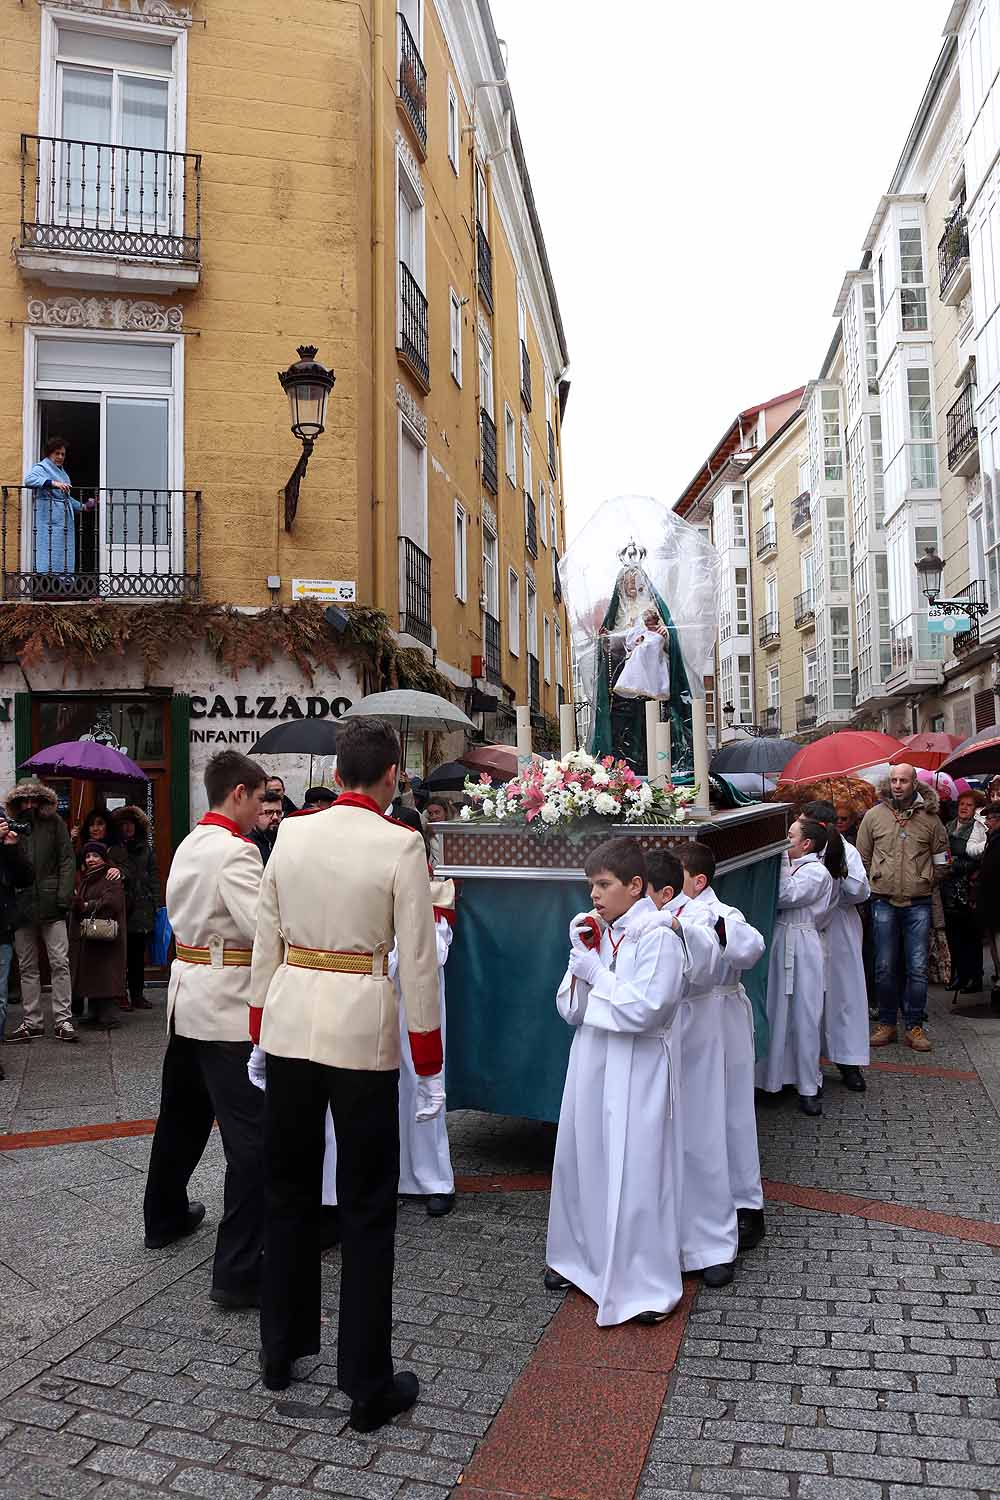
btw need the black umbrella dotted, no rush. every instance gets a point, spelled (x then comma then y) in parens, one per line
(763, 755)
(977, 756)
(299, 737)
(450, 777)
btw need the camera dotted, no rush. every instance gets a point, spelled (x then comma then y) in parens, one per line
(14, 825)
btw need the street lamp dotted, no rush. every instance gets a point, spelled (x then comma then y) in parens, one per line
(307, 384)
(728, 715)
(931, 569)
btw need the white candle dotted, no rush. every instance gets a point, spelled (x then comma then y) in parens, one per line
(652, 723)
(523, 738)
(663, 752)
(567, 729)
(699, 728)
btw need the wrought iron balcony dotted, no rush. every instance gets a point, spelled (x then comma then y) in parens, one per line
(805, 712)
(953, 251)
(414, 591)
(484, 259)
(414, 345)
(101, 544)
(530, 526)
(534, 701)
(768, 628)
(770, 720)
(967, 640)
(804, 608)
(766, 539)
(412, 83)
(801, 514)
(963, 444)
(491, 640)
(525, 376)
(489, 437)
(552, 448)
(94, 199)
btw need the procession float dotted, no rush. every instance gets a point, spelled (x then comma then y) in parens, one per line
(642, 592)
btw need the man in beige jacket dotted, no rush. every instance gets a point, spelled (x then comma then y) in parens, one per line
(338, 889)
(212, 893)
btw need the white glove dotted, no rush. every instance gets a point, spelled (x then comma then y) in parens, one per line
(430, 1096)
(580, 928)
(585, 966)
(257, 1068)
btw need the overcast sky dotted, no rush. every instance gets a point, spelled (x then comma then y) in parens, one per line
(705, 175)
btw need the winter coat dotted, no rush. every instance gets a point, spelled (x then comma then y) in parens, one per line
(15, 872)
(139, 869)
(988, 884)
(47, 845)
(98, 966)
(903, 852)
(264, 842)
(956, 889)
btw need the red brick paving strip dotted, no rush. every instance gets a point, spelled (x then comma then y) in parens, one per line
(579, 1420)
(72, 1135)
(917, 1070)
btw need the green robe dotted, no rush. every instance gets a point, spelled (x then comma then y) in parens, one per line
(620, 723)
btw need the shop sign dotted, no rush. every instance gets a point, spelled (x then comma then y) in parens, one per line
(223, 711)
(332, 590)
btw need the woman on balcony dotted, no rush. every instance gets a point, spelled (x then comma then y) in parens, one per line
(53, 522)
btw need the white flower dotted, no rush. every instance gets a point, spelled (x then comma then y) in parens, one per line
(605, 804)
(487, 807)
(600, 777)
(680, 815)
(465, 814)
(645, 794)
(549, 813)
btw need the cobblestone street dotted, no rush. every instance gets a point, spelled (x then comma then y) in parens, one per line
(855, 1357)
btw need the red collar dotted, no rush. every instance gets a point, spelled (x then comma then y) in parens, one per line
(358, 799)
(218, 820)
(448, 912)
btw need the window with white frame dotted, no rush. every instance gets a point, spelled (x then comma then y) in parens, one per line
(806, 575)
(409, 222)
(742, 580)
(767, 518)
(725, 614)
(557, 651)
(913, 289)
(546, 650)
(739, 519)
(490, 573)
(510, 444)
(744, 670)
(552, 519)
(531, 619)
(526, 457)
(412, 485)
(455, 303)
(858, 468)
(878, 473)
(804, 475)
(833, 453)
(543, 515)
(809, 673)
(923, 450)
(454, 127)
(881, 283)
(774, 687)
(871, 335)
(461, 552)
(513, 612)
(486, 371)
(482, 199)
(839, 573)
(726, 688)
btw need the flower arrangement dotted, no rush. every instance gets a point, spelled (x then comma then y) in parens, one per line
(549, 794)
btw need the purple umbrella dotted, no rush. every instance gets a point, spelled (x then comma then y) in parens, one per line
(86, 760)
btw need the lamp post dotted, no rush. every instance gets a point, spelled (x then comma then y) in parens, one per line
(307, 384)
(728, 715)
(931, 570)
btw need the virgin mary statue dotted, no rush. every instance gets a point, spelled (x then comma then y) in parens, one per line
(639, 579)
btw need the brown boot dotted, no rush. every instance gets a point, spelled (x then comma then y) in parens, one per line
(883, 1035)
(917, 1038)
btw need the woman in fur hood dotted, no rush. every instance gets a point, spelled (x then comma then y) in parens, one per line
(132, 849)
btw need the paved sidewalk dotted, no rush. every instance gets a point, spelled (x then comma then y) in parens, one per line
(856, 1356)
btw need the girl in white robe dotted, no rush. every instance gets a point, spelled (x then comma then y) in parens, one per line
(796, 974)
(846, 1024)
(646, 673)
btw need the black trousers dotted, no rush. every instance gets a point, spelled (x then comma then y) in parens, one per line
(135, 963)
(202, 1082)
(365, 1108)
(965, 939)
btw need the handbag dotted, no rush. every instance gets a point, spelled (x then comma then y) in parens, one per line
(99, 929)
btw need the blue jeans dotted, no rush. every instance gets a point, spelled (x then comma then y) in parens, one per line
(6, 955)
(901, 933)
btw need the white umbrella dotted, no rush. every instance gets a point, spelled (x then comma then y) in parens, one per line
(421, 712)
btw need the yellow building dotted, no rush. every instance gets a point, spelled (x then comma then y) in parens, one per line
(192, 194)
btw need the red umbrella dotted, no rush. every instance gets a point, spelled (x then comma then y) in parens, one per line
(927, 752)
(978, 757)
(839, 755)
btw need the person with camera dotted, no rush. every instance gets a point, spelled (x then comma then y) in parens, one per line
(42, 907)
(15, 871)
(97, 937)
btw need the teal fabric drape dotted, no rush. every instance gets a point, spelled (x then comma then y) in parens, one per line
(620, 723)
(507, 1045)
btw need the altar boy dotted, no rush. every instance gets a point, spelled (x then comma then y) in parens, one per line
(613, 1212)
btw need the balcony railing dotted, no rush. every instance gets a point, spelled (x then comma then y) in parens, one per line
(414, 590)
(770, 720)
(965, 641)
(805, 712)
(534, 701)
(484, 258)
(101, 544)
(766, 539)
(805, 608)
(530, 526)
(414, 345)
(412, 82)
(491, 637)
(768, 628)
(961, 428)
(552, 448)
(953, 247)
(85, 198)
(525, 376)
(489, 436)
(801, 515)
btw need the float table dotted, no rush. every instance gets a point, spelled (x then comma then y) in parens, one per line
(507, 1045)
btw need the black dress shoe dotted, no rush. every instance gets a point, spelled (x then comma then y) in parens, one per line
(752, 1228)
(810, 1104)
(647, 1319)
(853, 1079)
(766, 1098)
(439, 1204)
(974, 987)
(329, 1226)
(366, 1416)
(717, 1275)
(233, 1301)
(275, 1373)
(195, 1214)
(555, 1283)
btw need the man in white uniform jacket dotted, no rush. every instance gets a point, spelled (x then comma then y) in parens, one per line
(212, 893)
(338, 889)
(722, 1203)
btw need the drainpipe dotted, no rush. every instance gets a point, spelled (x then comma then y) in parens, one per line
(379, 519)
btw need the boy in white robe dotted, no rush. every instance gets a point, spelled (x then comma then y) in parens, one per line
(796, 975)
(846, 1024)
(722, 1203)
(613, 1211)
